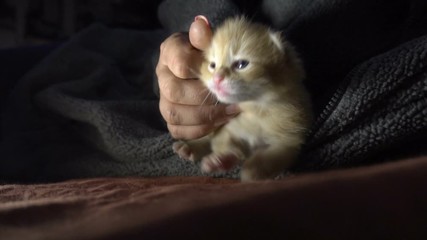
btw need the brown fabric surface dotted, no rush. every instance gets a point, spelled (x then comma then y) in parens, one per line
(387, 201)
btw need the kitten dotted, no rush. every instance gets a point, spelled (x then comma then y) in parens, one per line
(252, 66)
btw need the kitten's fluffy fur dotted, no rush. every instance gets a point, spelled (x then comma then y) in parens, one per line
(252, 66)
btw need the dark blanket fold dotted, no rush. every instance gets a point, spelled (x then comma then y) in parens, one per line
(89, 109)
(380, 111)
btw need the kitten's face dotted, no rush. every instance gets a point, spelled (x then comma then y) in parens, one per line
(240, 61)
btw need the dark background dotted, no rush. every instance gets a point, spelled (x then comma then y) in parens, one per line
(29, 22)
(31, 29)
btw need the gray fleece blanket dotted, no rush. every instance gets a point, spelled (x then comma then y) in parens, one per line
(90, 109)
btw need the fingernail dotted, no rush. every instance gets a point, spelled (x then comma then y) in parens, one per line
(201, 17)
(232, 109)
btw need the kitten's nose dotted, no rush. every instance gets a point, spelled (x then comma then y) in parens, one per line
(217, 78)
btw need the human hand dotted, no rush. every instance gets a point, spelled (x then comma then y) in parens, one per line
(185, 103)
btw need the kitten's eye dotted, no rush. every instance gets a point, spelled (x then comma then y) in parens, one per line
(212, 65)
(240, 64)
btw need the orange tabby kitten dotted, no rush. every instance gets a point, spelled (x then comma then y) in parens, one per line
(252, 66)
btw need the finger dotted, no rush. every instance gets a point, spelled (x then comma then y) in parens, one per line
(181, 91)
(200, 33)
(182, 59)
(187, 115)
(189, 132)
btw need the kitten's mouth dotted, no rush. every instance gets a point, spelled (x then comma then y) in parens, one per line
(222, 94)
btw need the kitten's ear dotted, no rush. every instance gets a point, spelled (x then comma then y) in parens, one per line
(276, 38)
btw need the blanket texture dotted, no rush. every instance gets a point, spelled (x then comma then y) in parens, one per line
(386, 201)
(90, 108)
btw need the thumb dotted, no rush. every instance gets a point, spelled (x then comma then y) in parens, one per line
(200, 33)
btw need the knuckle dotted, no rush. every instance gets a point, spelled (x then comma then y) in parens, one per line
(176, 35)
(170, 90)
(162, 46)
(159, 69)
(162, 105)
(170, 40)
(175, 131)
(200, 131)
(174, 116)
(179, 66)
(170, 114)
(164, 85)
(164, 51)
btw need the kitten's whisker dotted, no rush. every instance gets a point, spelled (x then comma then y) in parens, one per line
(205, 90)
(206, 98)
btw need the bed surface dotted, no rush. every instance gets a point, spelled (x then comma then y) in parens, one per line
(386, 201)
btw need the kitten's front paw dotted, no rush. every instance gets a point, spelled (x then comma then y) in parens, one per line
(183, 150)
(218, 163)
